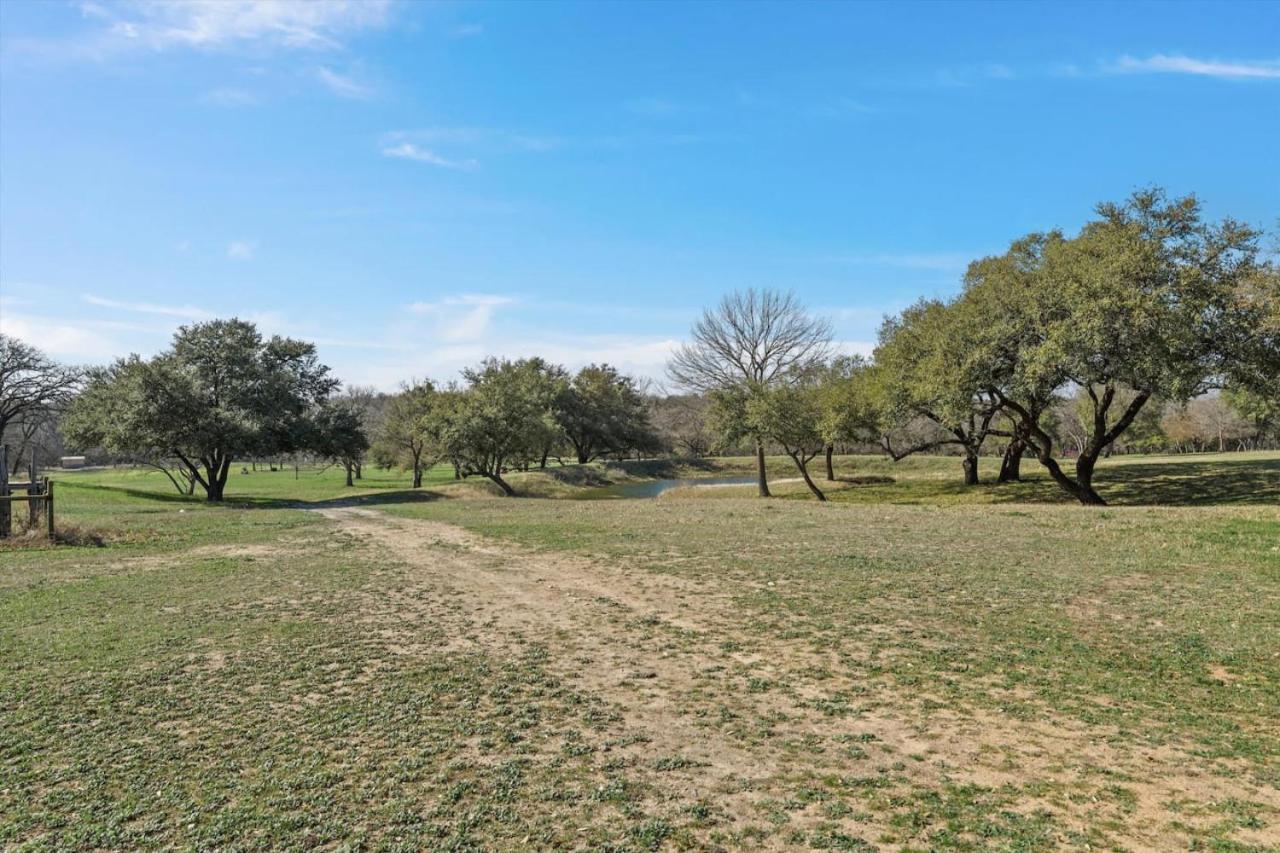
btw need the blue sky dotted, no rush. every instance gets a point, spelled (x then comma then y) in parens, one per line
(416, 185)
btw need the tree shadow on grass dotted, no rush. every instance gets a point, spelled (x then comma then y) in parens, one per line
(1176, 483)
(143, 494)
(234, 501)
(1192, 483)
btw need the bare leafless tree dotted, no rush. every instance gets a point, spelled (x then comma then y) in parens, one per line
(752, 338)
(31, 384)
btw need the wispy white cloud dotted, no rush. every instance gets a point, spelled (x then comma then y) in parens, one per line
(132, 26)
(1160, 63)
(343, 85)
(241, 250)
(410, 151)
(466, 31)
(186, 312)
(464, 318)
(210, 24)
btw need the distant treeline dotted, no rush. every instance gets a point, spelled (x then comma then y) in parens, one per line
(1151, 330)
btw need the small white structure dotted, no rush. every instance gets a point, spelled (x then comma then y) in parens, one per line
(71, 462)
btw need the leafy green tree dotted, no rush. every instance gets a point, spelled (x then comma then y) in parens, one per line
(602, 412)
(923, 361)
(338, 435)
(850, 405)
(219, 392)
(101, 417)
(502, 419)
(544, 382)
(1144, 303)
(403, 440)
(1260, 409)
(790, 415)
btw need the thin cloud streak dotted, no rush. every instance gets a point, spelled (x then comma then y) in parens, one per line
(343, 85)
(186, 312)
(418, 154)
(1267, 69)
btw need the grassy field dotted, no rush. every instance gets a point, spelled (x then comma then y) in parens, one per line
(911, 666)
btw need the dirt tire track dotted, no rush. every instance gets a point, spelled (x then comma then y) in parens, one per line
(646, 642)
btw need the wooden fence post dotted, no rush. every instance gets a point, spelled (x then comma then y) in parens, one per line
(48, 506)
(33, 494)
(6, 515)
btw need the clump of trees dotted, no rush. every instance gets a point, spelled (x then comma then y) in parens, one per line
(219, 393)
(511, 415)
(1121, 336)
(1148, 302)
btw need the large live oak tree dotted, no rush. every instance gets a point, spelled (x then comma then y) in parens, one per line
(503, 418)
(219, 393)
(1148, 301)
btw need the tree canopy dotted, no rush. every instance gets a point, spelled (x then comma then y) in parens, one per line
(602, 412)
(220, 392)
(1143, 303)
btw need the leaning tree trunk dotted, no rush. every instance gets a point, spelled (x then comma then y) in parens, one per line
(1011, 464)
(761, 477)
(502, 484)
(804, 472)
(831, 471)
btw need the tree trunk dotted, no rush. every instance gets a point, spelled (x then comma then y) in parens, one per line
(417, 471)
(761, 477)
(217, 485)
(1011, 464)
(502, 484)
(804, 472)
(457, 472)
(1084, 480)
(359, 470)
(970, 464)
(350, 471)
(831, 471)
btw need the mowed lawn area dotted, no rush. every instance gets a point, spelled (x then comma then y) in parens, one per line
(913, 665)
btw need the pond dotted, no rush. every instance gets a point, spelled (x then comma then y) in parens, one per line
(653, 488)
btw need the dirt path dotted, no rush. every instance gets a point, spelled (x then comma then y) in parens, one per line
(664, 651)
